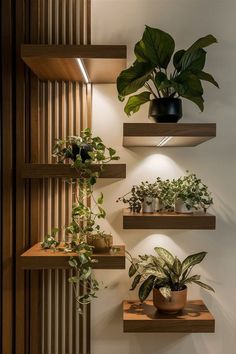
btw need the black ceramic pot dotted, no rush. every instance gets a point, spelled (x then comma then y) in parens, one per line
(82, 150)
(166, 110)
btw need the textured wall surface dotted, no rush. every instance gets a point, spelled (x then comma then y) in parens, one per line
(122, 22)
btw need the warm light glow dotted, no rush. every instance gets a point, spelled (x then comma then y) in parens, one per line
(164, 140)
(83, 70)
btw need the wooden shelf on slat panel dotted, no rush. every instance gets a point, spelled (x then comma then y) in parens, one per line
(169, 220)
(33, 170)
(167, 134)
(38, 258)
(83, 63)
(195, 318)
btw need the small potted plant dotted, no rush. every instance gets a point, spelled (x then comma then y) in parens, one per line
(163, 88)
(191, 194)
(167, 277)
(83, 234)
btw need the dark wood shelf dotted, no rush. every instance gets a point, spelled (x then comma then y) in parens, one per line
(102, 63)
(170, 220)
(195, 318)
(180, 134)
(38, 258)
(33, 170)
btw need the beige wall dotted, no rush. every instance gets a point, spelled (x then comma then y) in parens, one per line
(122, 22)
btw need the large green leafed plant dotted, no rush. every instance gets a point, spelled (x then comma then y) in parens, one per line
(164, 272)
(150, 71)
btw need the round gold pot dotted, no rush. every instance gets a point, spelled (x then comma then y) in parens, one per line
(176, 303)
(100, 243)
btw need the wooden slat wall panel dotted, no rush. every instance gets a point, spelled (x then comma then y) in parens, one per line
(62, 111)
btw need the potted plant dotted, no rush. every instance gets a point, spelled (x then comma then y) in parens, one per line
(165, 195)
(191, 194)
(163, 88)
(83, 234)
(142, 196)
(167, 277)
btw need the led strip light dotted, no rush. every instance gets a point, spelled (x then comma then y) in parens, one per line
(83, 70)
(165, 140)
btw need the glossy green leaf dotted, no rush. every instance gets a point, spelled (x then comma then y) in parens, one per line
(177, 59)
(203, 285)
(199, 101)
(136, 281)
(203, 42)
(159, 78)
(192, 260)
(134, 102)
(133, 78)
(132, 270)
(100, 199)
(165, 255)
(177, 267)
(146, 288)
(158, 46)
(207, 77)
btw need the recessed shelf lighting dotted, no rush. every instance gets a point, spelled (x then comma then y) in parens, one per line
(165, 140)
(83, 70)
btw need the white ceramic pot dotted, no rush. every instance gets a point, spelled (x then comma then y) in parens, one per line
(148, 205)
(180, 207)
(158, 204)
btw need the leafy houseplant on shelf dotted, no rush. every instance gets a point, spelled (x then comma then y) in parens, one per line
(167, 277)
(83, 233)
(163, 88)
(191, 194)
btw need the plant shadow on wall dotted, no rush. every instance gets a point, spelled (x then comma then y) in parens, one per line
(167, 277)
(183, 195)
(83, 235)
(163, 89)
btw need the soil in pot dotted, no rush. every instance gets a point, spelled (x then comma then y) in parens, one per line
(81, 150)
(101, 243)
(180, 207)
(176, 303)
(166, 110)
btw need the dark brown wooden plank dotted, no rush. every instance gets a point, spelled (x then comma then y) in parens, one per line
(181, 134)
(60, 62)
(171, 220)
(195, 318)
(66, 171)
(37, 258)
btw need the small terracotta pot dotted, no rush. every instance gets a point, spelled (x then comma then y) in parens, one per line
(176, 303)
(180, 207)
(101, 244)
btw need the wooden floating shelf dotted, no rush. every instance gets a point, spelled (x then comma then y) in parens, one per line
(195, 318)
(170, 220)
(38, 258)
(33, 170)
(102, 63)
(179, 134)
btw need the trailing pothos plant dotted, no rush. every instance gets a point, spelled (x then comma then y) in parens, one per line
(150, 71)
(82, 152)
(164, 272)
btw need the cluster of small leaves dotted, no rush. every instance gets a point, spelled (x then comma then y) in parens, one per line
(153, 54)
(50, 240)
(82, 152)
(189, 188)
(192, 191)
(164, 272)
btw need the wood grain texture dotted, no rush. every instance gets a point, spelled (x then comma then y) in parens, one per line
(66, 171)
(37, 258)
(195, 318)
(103, 63)
(170, 220)
(183, 134)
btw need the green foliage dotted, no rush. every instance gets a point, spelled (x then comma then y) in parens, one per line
(164, 272)
(82, 152)
(189, 188)
(153, 55)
